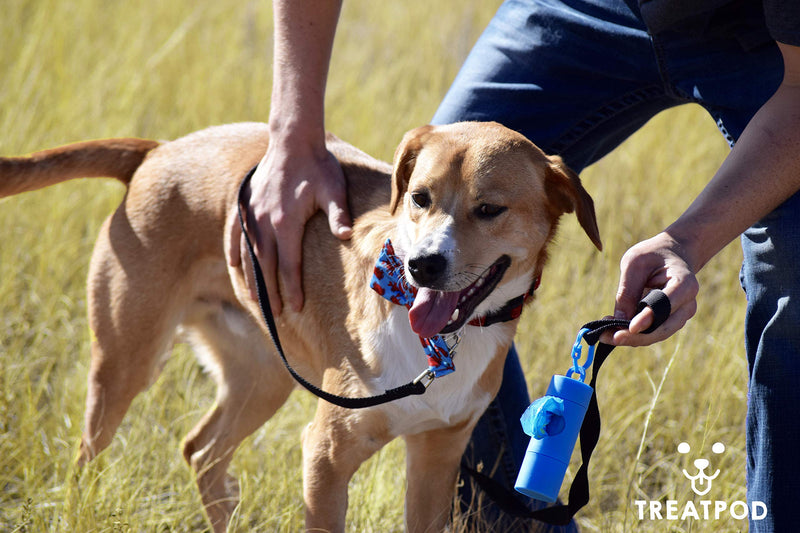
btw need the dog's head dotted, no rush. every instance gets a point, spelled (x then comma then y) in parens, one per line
(479, 204)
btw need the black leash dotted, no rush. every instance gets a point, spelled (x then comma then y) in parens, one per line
(413, 388)
(590, 430)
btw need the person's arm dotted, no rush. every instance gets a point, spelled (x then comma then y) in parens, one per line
(760, 173)
(297, 175)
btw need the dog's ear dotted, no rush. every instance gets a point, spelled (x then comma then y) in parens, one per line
(565, 192)
(405, 157)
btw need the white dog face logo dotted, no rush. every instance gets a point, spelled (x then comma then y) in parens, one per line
(701, 482)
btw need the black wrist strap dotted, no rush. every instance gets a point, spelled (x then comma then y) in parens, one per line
(508, 500)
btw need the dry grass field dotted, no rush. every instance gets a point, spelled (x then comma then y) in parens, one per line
(86, 69)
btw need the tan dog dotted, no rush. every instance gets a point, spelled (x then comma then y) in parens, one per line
(463, 203)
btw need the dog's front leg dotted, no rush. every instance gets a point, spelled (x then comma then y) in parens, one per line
(432, 463)
(335, 444)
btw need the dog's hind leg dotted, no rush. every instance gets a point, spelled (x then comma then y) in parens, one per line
(251, 385)
(132, 325)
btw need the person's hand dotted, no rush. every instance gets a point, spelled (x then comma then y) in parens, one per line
(293, 181)
(657, 263)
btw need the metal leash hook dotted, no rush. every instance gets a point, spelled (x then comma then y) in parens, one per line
(427, 376)
(455, 339)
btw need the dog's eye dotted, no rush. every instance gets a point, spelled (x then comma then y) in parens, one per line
(421, 199)
(489, 210)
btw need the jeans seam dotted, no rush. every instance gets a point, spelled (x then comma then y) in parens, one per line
(604, 113)
(661, 65)
(670, 89)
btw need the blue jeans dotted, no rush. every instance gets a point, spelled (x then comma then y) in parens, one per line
(578, 77)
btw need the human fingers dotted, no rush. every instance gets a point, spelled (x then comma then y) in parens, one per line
(641, 267)
(292, 182)
(681, 288)
(634, 336)
(654, 263)
(288, 250)
(319, 184)
(339, 219)
(266, 256)
(333, 200)
(260, 233)
(238, 255)
(233, 247)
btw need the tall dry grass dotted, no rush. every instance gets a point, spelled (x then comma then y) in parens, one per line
(87, 69)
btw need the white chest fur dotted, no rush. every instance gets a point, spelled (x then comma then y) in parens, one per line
(449, 399)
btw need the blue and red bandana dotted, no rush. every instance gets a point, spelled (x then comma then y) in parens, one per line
(389, 281)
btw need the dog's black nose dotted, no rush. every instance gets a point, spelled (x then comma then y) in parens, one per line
(427, 269)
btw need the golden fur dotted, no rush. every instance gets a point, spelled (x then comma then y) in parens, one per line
(159, 270)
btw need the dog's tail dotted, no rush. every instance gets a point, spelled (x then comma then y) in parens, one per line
(105, 158)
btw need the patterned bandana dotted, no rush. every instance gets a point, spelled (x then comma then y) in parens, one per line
(389, 281)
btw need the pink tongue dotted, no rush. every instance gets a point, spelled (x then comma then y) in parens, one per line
(431, 311)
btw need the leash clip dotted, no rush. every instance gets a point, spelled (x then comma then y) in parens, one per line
(426, 378)
(577, 350)
(451, 348)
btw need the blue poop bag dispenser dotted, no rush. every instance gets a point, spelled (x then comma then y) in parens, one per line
(553, 422)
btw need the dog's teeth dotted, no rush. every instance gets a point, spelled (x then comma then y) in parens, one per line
(454, 316)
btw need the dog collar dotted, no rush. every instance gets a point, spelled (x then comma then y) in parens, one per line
(389, 281)
(511, 311)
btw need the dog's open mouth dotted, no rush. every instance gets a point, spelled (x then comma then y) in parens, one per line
(437, 312)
